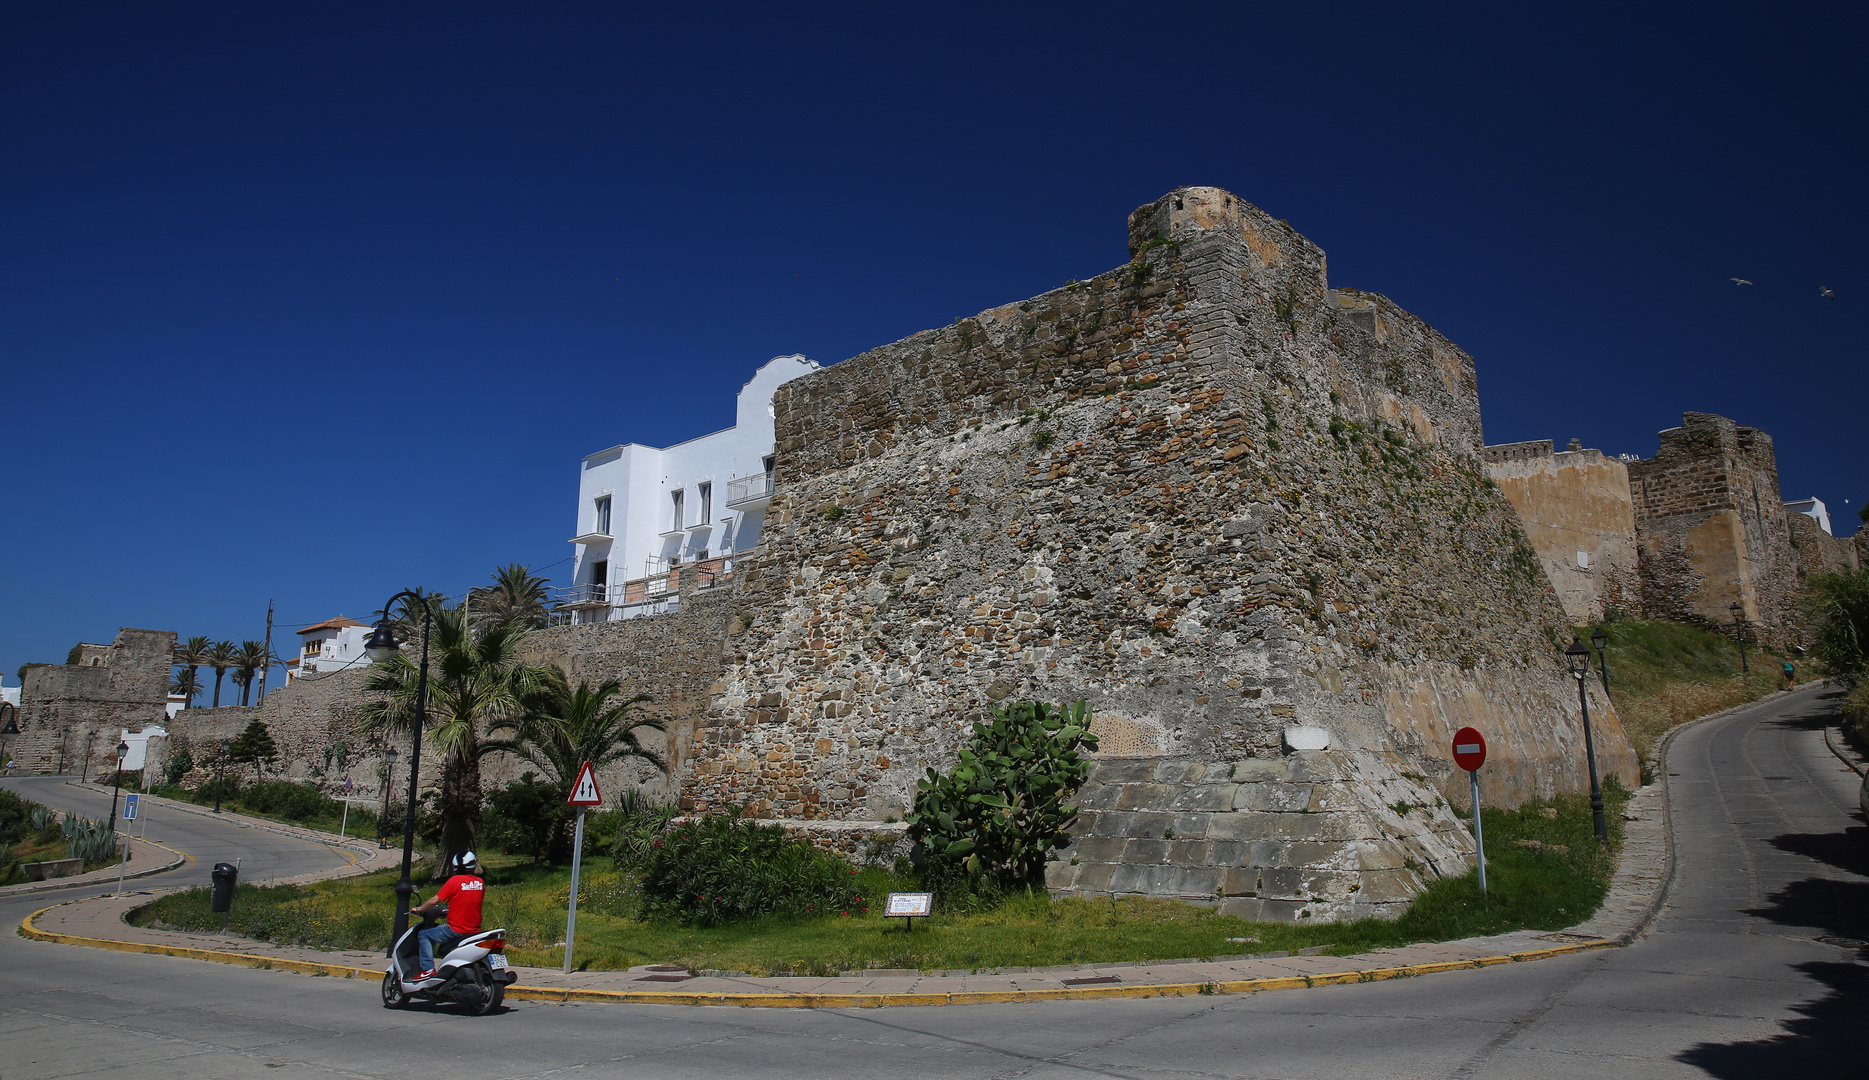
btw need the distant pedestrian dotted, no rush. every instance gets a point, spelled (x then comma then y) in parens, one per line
(1791, 676)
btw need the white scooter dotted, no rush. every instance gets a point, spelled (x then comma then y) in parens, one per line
(473, 973)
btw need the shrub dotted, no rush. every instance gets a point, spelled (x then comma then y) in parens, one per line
(528, 816)
(218, 789)
(289, 800)
(720, 869)
(1840, 604)
(640, 825)
(1000, 811)
(16, 818)
(178, 766)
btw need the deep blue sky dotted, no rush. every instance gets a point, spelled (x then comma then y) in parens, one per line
(313, 302)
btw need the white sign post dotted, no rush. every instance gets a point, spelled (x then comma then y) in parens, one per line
(583, 796)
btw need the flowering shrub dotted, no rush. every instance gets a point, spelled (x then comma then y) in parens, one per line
(720, 869)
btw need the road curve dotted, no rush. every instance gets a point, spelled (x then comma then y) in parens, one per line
(1736, 981)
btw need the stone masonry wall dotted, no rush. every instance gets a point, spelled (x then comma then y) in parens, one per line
(1205, 491)
(1712, 530)
(1817, 551)
(1579, 516)
(121, 686)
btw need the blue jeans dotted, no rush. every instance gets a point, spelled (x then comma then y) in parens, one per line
(425, 943)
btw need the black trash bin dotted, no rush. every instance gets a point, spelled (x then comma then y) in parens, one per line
(222, 899)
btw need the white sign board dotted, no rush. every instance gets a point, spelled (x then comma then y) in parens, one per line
(908, 905)
(129, 807)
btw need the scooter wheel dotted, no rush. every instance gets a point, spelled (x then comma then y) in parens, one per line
(393, 997)
(487, 993)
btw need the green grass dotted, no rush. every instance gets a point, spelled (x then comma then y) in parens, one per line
(1666, 673)
(362, 819)
(1555, 884)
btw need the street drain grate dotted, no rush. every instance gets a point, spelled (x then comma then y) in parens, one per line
(1092, 980)
(1845, 942)
(665, 978)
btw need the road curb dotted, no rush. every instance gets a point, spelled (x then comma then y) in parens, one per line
(248, 821)
(28, 929)
(70, 883)
(1830, 734)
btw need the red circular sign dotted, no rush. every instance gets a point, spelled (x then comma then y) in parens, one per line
(1469, 749)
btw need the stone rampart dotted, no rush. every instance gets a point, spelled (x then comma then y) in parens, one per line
(1579, 516)
(1205, 491)
(1711, 530)
(71, 711)
(1817, 551)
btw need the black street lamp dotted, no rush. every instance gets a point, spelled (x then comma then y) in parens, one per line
(116, 782)
(220, 776)
(1739, 631)
(1601, 640)
(1579, 658)
(381, 646)
(389, 782)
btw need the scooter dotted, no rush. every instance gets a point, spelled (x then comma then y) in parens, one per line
(473, 973)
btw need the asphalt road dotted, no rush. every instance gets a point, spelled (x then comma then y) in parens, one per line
(1733, 983)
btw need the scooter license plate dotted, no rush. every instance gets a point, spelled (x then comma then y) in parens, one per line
(496, 961)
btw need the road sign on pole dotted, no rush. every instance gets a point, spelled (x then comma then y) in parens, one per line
(1470, 754)
(129, 807)
(584, 795)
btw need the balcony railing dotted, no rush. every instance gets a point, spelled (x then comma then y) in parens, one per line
(650, 595)
(585, 595)
(748, 490)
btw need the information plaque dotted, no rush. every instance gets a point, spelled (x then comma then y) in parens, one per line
(909, 906)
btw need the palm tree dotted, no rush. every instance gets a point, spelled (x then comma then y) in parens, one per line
(249, 659)
(476, 680)
(516, 597)
(220, 657)
(185, 683)
(566, 727)
(191, 654)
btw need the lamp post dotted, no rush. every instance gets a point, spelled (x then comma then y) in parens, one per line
(1739, 632)
(116, 782)
(389, 782)
(1579, 657)
(220, 776)
(1601, 640)
(382, 646)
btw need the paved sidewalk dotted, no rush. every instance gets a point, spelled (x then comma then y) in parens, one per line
(145, 858)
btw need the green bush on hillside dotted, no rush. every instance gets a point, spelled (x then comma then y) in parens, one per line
(719, 869)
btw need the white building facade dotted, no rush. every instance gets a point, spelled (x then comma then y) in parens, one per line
(329, 646)
(1814, 509)
(646, 515)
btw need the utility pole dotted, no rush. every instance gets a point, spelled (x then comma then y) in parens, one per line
(269, 651)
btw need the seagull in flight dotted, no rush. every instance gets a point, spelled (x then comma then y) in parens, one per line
(1824, 291)
(1739, 281)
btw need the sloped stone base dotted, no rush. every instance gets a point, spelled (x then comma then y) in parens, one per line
(1319, 834)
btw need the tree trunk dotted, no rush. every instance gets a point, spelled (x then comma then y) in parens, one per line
(217, 687)
(460, 808)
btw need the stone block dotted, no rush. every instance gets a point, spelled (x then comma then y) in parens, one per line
(1252, 910)
(1282, 883)
(1097, 848)
(1310, 853)
(1094, 878)
(1273, 797)
(1240, 825)
(1060, 875)
(1335, 886)
(1177, 770)
(1205, 797)
(1272, 910)
(1109, 823)
(1388, 886)
(1227, 852)
(1240, 882)
(1190, 881)
(1309, 766)
(1146, 797)
(1099, 796)
(1258, 770)
(1128, 878)
(1150, 822)
(1338, 796)
(1146, 851)
(1379, 855)
(1298, 826)
(1122, 770)
(1191, 826)
(1188, 852)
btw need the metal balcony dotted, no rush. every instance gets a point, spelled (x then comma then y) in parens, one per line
(749, 491)
(583, 596)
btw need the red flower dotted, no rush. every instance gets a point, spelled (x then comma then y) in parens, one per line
(841, 914)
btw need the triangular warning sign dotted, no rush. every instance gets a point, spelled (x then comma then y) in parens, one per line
(584, 792)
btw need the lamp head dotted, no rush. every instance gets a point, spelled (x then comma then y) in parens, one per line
(389, 755)
(123, 747)
(1599, 639)
(382, 643)
(10, 729)
(1578, 656)
(1734, 608)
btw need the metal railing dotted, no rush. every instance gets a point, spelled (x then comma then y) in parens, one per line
(748, 489)
(589, 594)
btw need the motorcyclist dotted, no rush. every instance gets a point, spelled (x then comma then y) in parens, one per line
(463, 892)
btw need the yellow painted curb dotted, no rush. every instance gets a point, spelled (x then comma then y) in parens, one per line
(28, 928)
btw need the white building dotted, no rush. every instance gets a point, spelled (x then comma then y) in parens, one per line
(1814, 509)
(329, 646)
(648, 515)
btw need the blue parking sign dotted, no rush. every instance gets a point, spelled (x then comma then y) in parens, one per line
(129, 807)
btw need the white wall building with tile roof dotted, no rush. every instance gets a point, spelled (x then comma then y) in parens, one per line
(328, 646)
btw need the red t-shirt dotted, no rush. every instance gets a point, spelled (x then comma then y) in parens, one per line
(463, 894)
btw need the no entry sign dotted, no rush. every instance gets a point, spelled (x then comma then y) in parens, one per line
(1469, 749)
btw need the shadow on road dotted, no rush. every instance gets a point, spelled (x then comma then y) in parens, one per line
(1828, 1035)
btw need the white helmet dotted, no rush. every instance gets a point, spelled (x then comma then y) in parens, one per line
(464, 862)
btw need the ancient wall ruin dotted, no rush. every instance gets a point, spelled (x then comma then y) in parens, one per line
(69, 712)
(1579, 516)
(1711, 530)
(1817, 551)
(1207, 492)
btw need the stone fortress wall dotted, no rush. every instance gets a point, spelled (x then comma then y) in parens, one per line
(1579, 517)
(1209, 493)
(67, 709)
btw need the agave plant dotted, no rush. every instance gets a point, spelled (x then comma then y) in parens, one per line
(43, 818)
(92, 841)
